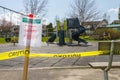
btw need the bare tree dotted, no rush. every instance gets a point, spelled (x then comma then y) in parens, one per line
(85, 10)
(106, 17)
(36, 7)
(6, 26)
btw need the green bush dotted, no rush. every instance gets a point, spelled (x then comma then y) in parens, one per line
(2, 40)
(14, 39)
(44, 39)
(107, 33)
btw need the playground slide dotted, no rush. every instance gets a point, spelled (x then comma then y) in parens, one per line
(61, 38)
(75, 35)
(52, 38)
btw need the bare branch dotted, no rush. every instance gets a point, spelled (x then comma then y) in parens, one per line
(85, 10)
(36, 7)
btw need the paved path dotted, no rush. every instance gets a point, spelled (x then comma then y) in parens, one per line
(60, 74)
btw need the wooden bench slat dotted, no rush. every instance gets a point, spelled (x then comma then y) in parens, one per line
(101, 65)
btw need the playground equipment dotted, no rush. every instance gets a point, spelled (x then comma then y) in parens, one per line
(72, 28)
(61, 28)
(52, 38)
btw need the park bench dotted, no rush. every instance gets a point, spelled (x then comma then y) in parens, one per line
(112, 48)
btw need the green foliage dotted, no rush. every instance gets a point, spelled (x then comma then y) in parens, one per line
(107, 33)
(50, 29)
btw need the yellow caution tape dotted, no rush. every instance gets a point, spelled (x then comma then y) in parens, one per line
(74, 54)
(13, 54)
(18, 53)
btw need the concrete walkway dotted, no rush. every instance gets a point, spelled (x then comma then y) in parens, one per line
(60, 74)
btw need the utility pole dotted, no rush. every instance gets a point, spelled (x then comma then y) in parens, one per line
(119, 13)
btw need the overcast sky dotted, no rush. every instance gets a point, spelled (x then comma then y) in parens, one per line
(61, 8)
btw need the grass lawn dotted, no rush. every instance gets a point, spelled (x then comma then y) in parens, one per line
(44, 39)
(2, 40)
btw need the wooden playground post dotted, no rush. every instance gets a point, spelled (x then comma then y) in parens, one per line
(28, 42)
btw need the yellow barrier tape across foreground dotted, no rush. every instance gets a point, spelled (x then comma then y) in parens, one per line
(18, 53)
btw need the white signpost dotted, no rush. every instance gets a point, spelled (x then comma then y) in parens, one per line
(36, 32)
(30, 36)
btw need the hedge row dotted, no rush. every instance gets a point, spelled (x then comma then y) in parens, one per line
(106, 33)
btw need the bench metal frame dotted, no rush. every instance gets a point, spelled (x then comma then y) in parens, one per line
(107, 65)
(110, 61)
